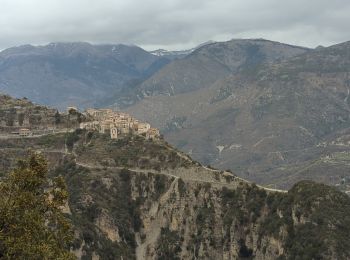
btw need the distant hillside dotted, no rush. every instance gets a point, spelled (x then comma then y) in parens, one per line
(268, 123)
(209, 63)
(63, 74)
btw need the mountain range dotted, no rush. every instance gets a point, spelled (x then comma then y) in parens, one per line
(273, 113)
(63, 74)
(268, 121)
(134, 198)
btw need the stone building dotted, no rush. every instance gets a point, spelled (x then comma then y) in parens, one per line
(142, 128)
(99, 114)
(116, 123)
(93, 125)
(152, 133)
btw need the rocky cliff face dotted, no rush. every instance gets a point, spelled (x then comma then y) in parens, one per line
(138, 199)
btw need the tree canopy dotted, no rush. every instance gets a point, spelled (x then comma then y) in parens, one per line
(32, 225)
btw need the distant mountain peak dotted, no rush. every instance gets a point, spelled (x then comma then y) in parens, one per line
(178, 53)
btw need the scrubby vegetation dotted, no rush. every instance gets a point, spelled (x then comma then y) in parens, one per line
(32, 225)
(130, 151)
(90, 197)
(107, 194)
(169, 245)
(305, 213)
(114, 184)
(323, 222)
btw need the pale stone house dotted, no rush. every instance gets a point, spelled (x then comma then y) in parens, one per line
(152, 133)
(124, 128)
(123, 124)
(84, 125)
(102, 129)
(91, 111)
(99, 114)
(94, 125)
(143, 128)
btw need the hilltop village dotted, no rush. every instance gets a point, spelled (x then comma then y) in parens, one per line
(116, 123)
(22, 118)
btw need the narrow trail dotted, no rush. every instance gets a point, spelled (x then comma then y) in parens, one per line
(13, 136)
(136, 170)
(239, 178)
(184, 156)
(223, 184)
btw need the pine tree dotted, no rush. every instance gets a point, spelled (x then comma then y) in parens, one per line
(57, 118)
(32, 225)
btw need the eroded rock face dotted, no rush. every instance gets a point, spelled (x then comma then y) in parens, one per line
(179, 218)
(106, 224)
(172, 217)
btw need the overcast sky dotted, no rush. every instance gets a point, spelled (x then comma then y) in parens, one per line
(173, 24)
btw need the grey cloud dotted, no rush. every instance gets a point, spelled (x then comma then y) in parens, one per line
(173, 23)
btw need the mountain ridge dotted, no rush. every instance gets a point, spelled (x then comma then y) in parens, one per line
(207, 64)
(230, 104)
(75, 73)
(256, 118)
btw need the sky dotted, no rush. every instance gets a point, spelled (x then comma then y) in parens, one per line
(173, 24)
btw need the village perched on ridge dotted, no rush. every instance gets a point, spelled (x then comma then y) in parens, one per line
(116, 123)
(22, 118)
